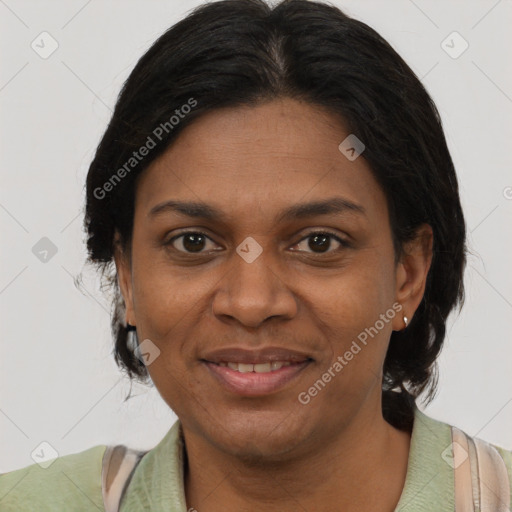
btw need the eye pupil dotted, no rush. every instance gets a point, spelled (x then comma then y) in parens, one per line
(196, 241)
(322, 241)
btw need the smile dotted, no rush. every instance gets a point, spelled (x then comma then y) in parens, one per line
(255, 379)
(257, 368)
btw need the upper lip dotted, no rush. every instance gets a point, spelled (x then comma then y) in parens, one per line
(264, 355)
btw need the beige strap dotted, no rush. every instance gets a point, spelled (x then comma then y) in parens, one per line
(494, 482)
(481, 477)
(464, 501)
(119, 463)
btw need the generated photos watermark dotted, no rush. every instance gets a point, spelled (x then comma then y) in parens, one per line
(137, 156)
(305, 397)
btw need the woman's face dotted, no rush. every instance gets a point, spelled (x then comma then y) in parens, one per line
(251, 277)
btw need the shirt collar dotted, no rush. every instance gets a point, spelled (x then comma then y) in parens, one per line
(158, 482)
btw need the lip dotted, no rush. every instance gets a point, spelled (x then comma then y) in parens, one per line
(252, 383)
(264, 355)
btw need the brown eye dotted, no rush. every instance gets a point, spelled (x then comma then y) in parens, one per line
(321, 241)
(190, 242)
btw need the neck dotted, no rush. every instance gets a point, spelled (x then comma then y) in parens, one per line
(362, 468)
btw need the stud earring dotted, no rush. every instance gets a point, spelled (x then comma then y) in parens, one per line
(406, 321)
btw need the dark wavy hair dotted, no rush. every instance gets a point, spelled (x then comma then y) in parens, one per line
(244, 52)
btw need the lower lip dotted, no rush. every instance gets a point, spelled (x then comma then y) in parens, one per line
(252, 383)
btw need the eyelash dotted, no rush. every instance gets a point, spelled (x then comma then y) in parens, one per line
(343, 243)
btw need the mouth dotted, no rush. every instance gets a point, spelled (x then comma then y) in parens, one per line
(255, 379)
(270, 366)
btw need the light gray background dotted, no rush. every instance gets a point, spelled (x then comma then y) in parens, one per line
(59, 382)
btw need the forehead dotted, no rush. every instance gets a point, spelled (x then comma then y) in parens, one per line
(260, 158)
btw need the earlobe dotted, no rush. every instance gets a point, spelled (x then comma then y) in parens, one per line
(411, 274)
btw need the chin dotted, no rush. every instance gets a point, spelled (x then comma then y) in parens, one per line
(254, 452)
(259, 439)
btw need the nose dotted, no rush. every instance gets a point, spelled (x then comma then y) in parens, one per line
(253, 292)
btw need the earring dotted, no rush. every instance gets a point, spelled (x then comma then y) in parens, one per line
(406, 321)
(132, 341)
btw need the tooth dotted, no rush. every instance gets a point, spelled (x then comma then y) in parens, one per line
(257, 367)
(262, 367)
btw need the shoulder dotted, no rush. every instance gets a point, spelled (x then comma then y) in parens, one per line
(70, 482)
(506, 457)
(437, 428)
(484, 467)
(465, 446)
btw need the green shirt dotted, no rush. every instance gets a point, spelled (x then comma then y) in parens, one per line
(73, 482)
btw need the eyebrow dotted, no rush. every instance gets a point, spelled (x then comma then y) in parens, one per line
(197, 209)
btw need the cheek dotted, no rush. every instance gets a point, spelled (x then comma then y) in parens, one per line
(164, 296)
(348, 307)
(171, 304)
(359, 292)
(165, 308)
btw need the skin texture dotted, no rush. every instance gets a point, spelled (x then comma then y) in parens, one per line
(272, 452)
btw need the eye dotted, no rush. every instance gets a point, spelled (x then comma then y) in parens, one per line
(190, 242)
(195, 242)
(321, 240)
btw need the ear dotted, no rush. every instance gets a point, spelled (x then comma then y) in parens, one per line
(411, 274)
(124, 278)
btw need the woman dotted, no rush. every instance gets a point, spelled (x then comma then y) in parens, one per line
(279, 214)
